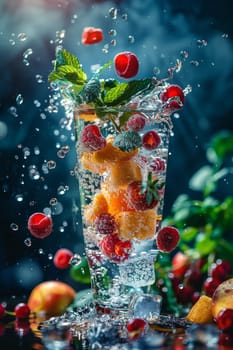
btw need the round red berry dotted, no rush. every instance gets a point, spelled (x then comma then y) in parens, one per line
(174, 96)
(126, 64)
(62, 258)
(91, 138)
(22, 310)
(115, 249)
(167, 239)
(225, 320)
(184, 294)
(209, 286)
(136, 122)
(138, 198)
(151, 140)
(91, 35)
(136, 328)
(40, 225)
(2, 311)
(105, 223)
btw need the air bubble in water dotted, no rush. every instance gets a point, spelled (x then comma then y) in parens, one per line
(113, 13)
(184, 54)
(51, 164)
(33, 173)
(113, 42)
(50, 256)
(75, 260)
(12, 42)
(131, 39)
(156, 70)
(39, 78)
(22, 36)
(56, 209)
(124, 16)
(3, 130)
(194, 63)
(14, 227)
(19, 99)
(37, 103)
(27, 53)
(19, 198)
(112, 32)
(61, 190)
(28, 242)
(12, 110)
(202, 43)
(41, 251)
(105, 48)
(53, 201)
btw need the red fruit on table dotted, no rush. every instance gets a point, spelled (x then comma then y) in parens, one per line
(91, 35)
(62, 258)
(151, 140)
(210, 285)
(174, 95)
(126, 64)
(167, 239)
(40, 225)
(91, 138)
(22, 310)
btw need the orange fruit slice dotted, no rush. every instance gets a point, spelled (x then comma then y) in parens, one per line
(98, 206)
(124, 172)
(139, 224)
(201, 311)
(117, 199)
(88, 164)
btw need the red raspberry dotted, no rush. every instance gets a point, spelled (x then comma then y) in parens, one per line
(105, 223)
(174, 95)
(167, 239)
(2, 311)
(40, 225)
(22, 310)
(151, 140)
(139, 198)
(122, 249)
(136, 122)
(62, 258)
(126, 64)
(225, 320)
(91, 35)
(91, 138)
(115, 249)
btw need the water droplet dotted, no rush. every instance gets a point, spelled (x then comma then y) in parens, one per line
(26, 152)
(194, 63)
(27, 53)
(33, 173)
(12, 110)
(184, 54)
(56, 209)
(113, 42)
(36, 150)
(51, 164)
(156, 70)
(41, 251)
(105, 48)
(39, 78)
(3, 130)
(113, 13)
(131, 39)
(28, 242)
(225, 35)
(53, 201)
(50, 256)
(19, 99)
(124, 16)
(112, 32)
(22, 36)
(19, 198)
(61, 190)
(37, 103)
(14, 227)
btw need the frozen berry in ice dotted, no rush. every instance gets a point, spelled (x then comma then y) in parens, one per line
(22, 310)
(114, 248)
(143, 197)
(127, 141)
(126, 64)
(62, 258)
(224, 320)
(157, 165)
(173, 96)
(136, 122)
(167, 239)
(122, 249)
(91, 35)
(105, 223)
(136, 328)
(91, 138)
(151, 140)
(2, 311)
(40, 225)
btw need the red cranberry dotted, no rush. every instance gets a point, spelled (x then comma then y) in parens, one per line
(126, 64)
(62, 258)
(22, 310)
(40, 225)
(151, 140)
(91, 35)
(209, 286)
(184, 294)
(225, 320)
(174, 95)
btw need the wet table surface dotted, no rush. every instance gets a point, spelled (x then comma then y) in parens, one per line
(26, 335)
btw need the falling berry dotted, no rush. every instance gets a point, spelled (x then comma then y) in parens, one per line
(22, 310)
(174, 96)
(62, 258)
(40, 225)
(167, 239)
(225, 320)
(126, 64)
(2, 311)
(136, 122)
(91, 35)
(151, 140)
(105, 223)
(91, 138)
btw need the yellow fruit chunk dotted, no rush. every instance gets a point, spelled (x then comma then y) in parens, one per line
(90, 165)
(201, 311)
(223, 297)
(117, 199)
(139, 224)
(111, 154)
(98, 206)
(124, 172)
(88, 115)
(51, 298)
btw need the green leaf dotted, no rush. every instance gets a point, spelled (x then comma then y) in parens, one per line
(124, 91)
(65, 58)
(222, 145)
(199, 180)
(189, 233)
(205, 245)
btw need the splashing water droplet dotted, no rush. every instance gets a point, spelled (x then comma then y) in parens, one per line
(39, 78)
(12, 42)
(113, 42)
(113, 13)
(202, 43)
(184, 54)
(51, 164)
(28, 242)
(131, 39)
(124, 16)
(12, 110)
(22, 36)
(27, 53)
(19, 99)
(56, 209)
(61, 190)
(53, 201)
(105, 48)
(75, 260)
(195, 63)
(50, 256)
(14, 227)
(41, 251)
(37, 103)
(112, 32)
(19, 198)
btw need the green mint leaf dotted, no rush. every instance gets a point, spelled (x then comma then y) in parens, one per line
(124, 91)
(65, 58)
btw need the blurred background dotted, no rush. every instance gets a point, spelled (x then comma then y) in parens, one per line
(37, 151)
